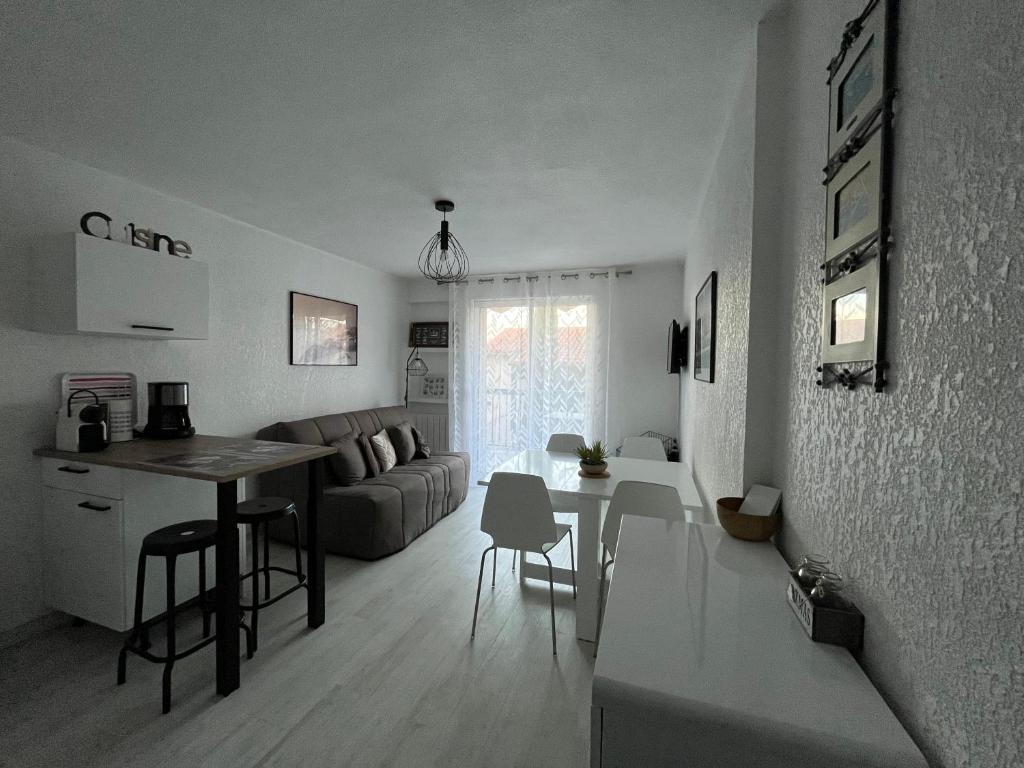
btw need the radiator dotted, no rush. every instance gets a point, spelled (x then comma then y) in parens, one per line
(434, 427)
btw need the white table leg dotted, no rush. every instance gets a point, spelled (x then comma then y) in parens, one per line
(587, 564)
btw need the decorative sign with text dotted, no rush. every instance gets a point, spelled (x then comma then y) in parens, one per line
(837, 622)
(142, 238)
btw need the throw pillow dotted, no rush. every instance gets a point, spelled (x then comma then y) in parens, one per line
(384, 450)
(348, 464)
(372, 465)
(422, 449)
(403, 442)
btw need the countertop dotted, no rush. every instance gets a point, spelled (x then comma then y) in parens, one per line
(697, 628)
(200, 457)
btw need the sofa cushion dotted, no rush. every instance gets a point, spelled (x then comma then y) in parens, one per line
(401, 438)
(437, 483)
(422, 449)
(372, 465)
(415, 492)
(363, 521)
(347, 465)
(335, 426)
(383, 450)
(457, 465)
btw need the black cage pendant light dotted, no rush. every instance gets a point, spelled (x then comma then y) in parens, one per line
(443, 259)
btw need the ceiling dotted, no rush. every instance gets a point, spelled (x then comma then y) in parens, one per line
(567, 133)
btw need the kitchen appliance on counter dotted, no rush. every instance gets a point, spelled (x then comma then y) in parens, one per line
(168, 410)
(83, 426)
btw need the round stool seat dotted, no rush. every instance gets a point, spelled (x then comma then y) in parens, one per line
(180, 538)
(264, 508)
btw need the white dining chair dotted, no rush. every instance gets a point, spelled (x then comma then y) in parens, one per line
(518, 515)
(560, 442)
(643, 448)
(564, 442)
(632, 497)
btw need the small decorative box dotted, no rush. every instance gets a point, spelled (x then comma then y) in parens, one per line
(834, 620)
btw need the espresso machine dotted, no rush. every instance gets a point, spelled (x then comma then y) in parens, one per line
(168, 410)
(82, 426)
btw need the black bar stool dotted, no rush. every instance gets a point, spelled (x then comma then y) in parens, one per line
(256, 513)
(193, 536)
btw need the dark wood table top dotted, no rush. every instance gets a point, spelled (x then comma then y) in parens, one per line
(200, 457)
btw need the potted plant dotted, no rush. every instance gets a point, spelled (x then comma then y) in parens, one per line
(592, 458)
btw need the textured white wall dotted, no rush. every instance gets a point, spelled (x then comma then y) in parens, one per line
(915, 493)
(240, 377)
(714, 415)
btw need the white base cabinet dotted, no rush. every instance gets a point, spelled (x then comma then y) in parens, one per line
(94, 520)
(84, 284)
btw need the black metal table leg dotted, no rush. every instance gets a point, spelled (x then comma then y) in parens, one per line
(316, 607)
(227, 588)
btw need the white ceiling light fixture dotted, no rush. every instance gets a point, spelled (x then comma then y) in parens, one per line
(443, 259)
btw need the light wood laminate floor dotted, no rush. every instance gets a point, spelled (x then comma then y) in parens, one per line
(391, 679)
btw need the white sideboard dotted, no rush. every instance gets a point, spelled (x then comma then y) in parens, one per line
(702, 663)
(84, 284)
(94, 520)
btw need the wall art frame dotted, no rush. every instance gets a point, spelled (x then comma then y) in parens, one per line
(323, 331)
(429, 334)
(857, 77)
(858, 182)
(853, 207)
(705, 330)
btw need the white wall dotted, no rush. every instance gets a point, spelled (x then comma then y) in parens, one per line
(240, 377)
(714, 414)
(641, 394)
(916, 493)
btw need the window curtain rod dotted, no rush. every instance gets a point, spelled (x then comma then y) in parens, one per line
(564, 276)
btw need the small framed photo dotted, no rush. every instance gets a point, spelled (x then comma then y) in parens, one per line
(324, 331)
(857, 77)
(705, 320)
(854, 200)
(428, 334)
(849, 317)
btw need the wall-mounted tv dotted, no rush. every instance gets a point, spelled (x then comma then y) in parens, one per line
(677, 347)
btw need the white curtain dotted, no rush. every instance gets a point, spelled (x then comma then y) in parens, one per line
(529, 357)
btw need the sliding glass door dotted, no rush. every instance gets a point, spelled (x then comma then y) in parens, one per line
(536, 368)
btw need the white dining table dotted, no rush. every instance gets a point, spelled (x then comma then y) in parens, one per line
(588, 497)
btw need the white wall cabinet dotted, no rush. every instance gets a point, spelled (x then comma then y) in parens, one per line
(85, 284)
(94, 520)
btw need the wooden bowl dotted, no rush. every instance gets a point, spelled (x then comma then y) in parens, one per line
(746, 527)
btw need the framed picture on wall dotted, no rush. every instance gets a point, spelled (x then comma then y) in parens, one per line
(705, 319)
(853, 206)
(324, 331)
(849, 320)
(428, 334)
(857, 78)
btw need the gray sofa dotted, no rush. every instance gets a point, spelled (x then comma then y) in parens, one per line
(379, 515)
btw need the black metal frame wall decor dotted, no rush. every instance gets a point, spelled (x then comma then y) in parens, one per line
(858, 183)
